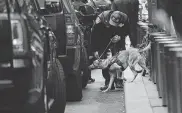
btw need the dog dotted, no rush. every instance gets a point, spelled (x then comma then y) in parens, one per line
(121, 61)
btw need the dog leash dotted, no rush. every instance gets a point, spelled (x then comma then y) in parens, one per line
(99, 59)
(105, 49)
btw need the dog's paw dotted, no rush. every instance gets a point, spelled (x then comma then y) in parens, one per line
(104, 91)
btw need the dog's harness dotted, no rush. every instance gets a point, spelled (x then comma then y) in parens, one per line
(117, 61)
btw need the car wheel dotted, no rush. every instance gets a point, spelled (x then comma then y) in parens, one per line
(85, 75)
(59, 86)
(35, 102)
(74, 86)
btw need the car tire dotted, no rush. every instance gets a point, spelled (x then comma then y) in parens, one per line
(85, 77)
(74, 86)
(60, 88)
(33, 105)
(85, 71)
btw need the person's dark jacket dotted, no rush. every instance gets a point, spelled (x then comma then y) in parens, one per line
(101, 35)
(131, 8)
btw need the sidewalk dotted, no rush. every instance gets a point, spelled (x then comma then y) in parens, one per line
(141, 96)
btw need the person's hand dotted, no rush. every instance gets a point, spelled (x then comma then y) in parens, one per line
(115, 39)
(96, 54)
(90, 57)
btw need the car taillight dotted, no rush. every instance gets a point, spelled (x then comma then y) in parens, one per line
(70, 32)
(17, 36)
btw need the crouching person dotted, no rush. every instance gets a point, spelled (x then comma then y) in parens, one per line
(109, 25)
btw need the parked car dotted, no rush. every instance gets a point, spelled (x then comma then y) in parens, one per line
(61, 16)
(31, 77)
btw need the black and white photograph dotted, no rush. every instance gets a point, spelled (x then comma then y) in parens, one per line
(90, 56)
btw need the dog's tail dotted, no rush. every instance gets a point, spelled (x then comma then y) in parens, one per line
(146, 48)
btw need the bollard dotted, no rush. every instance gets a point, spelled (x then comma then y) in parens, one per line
(156, 56)
(169, 80)
(162, 73)
(159, 78)
(176, 92)
(153, 48)
(171, 64)
(151, 36)
(167, 59)
(179, 98)
(180, 73)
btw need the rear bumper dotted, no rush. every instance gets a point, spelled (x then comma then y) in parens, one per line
(20, 87)
(14, 76)
(71, 61)
(14, 87)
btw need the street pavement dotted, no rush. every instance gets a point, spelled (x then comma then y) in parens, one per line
(141, 96)
(95, 101)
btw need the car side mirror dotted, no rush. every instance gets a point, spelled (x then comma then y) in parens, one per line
(50, 7)
(86, 10)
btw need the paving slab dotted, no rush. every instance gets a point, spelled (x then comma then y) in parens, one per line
(136, 98)
(155, 101)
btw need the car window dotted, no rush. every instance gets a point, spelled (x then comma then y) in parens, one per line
(53, 6)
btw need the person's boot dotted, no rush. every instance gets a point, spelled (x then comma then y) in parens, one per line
(91, 80)
(119, 83)
(105, 87)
